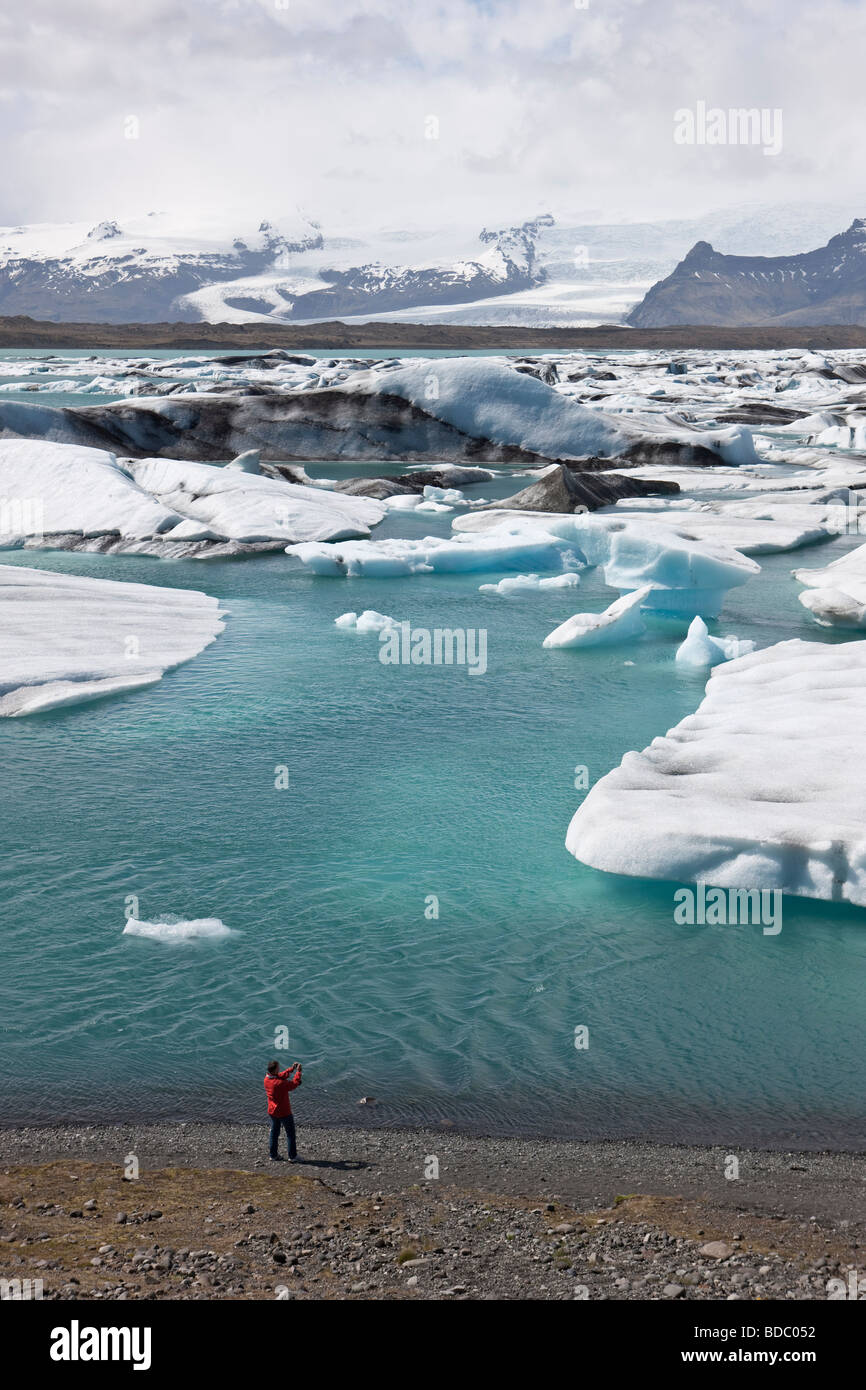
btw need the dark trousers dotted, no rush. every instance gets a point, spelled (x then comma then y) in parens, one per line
(289, 1122)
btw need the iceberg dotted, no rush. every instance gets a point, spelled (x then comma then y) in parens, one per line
(55, 489)
(368, 621)
(770, 531)
(700, 649)
(619, 623)
(457, 410)
(172, 929)
(754, 790)
(70, 497)
(836, 595)
(66, 640)
(436, 554)
(685, 576)
(247, 507)
(530, 583)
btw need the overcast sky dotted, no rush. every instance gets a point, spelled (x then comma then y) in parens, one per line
(325, 104)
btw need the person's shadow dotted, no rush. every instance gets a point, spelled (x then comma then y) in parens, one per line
(344, 1165)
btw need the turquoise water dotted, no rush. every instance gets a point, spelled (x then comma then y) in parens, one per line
(404, 782)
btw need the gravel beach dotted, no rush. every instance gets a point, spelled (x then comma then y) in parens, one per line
(379, 1213)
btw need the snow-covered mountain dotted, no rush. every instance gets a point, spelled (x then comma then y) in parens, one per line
(138, 270)
(151, 269)
(544, 272)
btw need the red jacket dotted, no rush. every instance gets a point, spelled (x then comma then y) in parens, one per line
(278, 1087)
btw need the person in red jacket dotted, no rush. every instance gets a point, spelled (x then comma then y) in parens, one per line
(278, 1084)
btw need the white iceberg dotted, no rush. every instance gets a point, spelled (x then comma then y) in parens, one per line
(700, 649)
(172, 929)
(754, 790)
(368, 621)
(247, 507)
(530, 583)
(50, 489)
(836, 595)
(436, 554)
(686, 576)
(620, 622)
(66, 640)
(73, 497)
(752, 529)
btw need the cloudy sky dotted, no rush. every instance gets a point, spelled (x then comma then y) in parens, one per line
(329, 105)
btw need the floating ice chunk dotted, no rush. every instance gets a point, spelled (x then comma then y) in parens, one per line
(250, 461)
(402, 502)
(74, 493)
(441, 499)
(720, 799)
(66, 640)
(619, 623)
(248, 507)
(753, 529)
(836, 596)
(171, 929)
(700, 649)
(435, 554)
(80, 490)
(687, 576)
(451, 496)
(368, 621)
(834, 608)
(526, 583)
(735, 445)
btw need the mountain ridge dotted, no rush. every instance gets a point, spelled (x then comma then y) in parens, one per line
(810, 288)
(145, 271)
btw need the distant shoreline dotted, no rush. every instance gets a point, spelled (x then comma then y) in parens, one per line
(23, 333)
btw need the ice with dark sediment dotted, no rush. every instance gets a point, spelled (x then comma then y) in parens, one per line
(80, 498)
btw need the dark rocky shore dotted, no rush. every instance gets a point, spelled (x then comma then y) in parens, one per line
(365, 1215)
(23, 332)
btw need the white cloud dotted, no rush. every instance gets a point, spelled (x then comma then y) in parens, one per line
(323, 104)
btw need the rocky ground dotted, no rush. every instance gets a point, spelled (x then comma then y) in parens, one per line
(365, 1216)
(20, 331)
